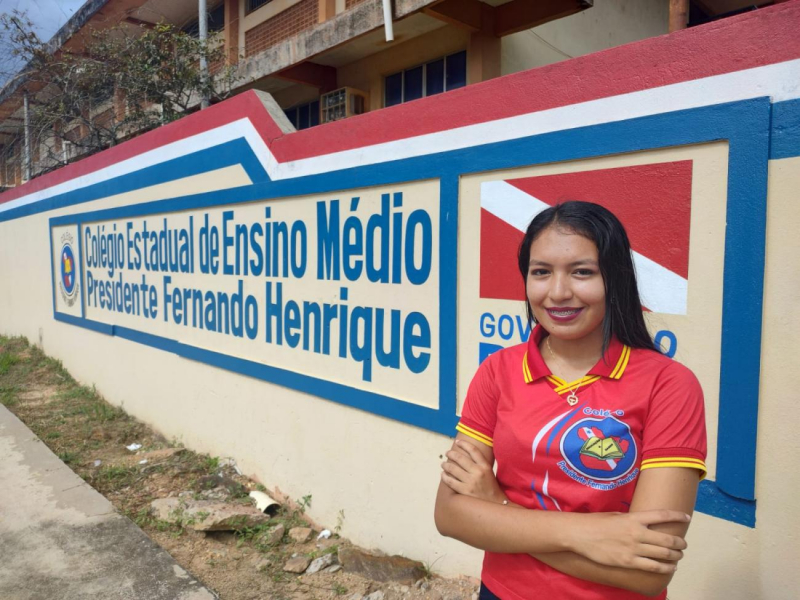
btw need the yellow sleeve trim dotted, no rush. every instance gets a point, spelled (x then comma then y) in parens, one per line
(475, 435)
(687, 463)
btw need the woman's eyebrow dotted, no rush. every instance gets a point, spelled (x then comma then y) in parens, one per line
(583, 261)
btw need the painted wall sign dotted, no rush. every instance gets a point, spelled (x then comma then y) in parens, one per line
(370, 262)
(341, 288)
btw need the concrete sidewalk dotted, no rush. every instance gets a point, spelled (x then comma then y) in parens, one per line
(61, 539)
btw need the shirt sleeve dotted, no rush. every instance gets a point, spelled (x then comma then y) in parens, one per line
(675, 430)
(479, 415)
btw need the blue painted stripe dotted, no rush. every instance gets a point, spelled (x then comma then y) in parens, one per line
(235, 152)
(785, 138)
(713, 501)
(718, 122)
(743, 290)
(81, 271)
(448, 286)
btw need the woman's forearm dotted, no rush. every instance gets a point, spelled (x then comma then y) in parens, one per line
(634, 580)
(498, 528)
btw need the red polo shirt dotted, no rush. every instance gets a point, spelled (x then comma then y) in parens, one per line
(636, 409)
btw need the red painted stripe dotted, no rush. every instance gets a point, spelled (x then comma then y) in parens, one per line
(758, 38)
(652, 201)
(500, 277)
(750, 40)
(244, 105)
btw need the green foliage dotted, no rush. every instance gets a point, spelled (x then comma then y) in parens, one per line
(211, 464)
(7, 360)
(339, 522)
(123, 82)
(68, 457)
(8, 396)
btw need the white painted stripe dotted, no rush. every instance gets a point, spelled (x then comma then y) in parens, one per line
(661, 290)
(779, 81)
(202, 141)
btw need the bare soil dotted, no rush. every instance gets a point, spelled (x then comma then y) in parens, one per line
(90, 435)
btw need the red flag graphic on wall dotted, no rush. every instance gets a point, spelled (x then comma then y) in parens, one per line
(653, 202)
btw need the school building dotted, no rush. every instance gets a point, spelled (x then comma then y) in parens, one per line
(324, 60)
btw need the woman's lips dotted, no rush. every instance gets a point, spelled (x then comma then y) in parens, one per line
(563, 315)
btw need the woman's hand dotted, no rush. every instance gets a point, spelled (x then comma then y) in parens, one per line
(626, 540)
(467, 472)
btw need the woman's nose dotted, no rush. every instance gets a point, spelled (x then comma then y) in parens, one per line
(560, 290)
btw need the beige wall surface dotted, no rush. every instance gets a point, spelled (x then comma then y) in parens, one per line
(348, 459)
(381, 470)
(607, 24)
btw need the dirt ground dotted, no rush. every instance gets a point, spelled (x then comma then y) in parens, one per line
(91, 436)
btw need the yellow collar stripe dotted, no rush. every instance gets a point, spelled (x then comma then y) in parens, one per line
(585, 380)
(526, 372)
(621, 363)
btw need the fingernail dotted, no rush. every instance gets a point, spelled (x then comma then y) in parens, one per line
(688, 517)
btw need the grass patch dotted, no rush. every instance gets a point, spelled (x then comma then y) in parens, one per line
(7, 360)
(67, 456)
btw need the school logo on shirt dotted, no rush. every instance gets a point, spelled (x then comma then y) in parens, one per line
(601, 449)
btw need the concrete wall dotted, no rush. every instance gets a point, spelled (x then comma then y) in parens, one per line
(698, 133)
(609, 23)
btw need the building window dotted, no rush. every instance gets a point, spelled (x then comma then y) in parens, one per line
(434, 77)
(254, 4)
(304, 116)
(216, 22)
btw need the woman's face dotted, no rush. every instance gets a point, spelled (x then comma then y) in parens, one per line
(564, 285)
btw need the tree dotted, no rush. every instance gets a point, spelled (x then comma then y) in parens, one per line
(112, 84)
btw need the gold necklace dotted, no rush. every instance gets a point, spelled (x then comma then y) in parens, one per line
(572, 398)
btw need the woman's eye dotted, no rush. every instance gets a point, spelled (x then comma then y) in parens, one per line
(584, 272)
(538, 272)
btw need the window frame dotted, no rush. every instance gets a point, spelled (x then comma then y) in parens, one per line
(424, 66)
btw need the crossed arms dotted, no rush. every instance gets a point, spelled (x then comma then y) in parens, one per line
(636, 551)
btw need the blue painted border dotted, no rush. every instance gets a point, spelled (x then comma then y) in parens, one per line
(746, 127)
(235, 152)
(785, 138)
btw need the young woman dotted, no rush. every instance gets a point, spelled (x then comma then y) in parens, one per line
(599, 439)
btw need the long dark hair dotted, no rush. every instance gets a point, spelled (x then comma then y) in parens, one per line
(623, 317)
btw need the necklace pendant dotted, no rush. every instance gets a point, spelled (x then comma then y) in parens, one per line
(572, 399)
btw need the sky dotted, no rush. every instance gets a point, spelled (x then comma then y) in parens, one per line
(47, 15)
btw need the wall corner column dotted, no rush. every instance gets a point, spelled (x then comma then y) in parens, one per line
(232, 25)
(483, 50)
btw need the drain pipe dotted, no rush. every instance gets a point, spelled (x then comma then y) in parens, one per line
(26, 149)
(387, 20)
